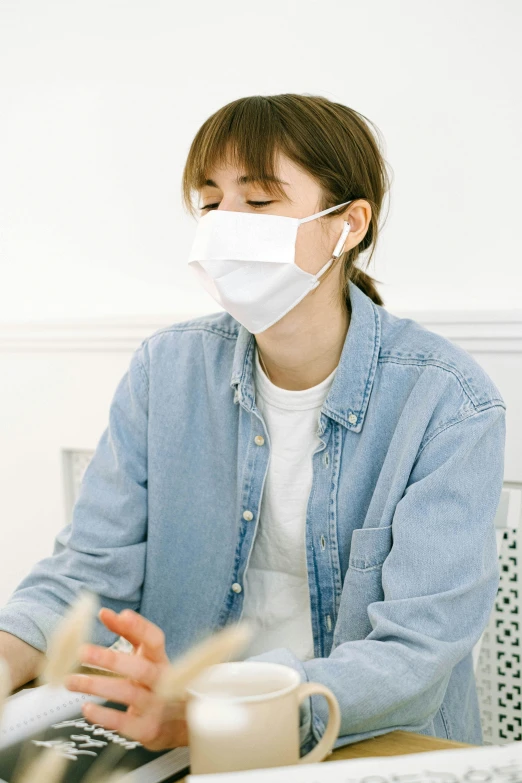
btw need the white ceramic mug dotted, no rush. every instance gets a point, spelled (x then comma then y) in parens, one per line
(245, 715)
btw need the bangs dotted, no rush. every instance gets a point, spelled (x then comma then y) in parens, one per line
(247, 134)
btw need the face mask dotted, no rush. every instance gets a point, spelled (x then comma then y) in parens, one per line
(246, 262)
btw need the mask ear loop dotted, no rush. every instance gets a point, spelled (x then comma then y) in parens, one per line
(338, 249)
(324, 212)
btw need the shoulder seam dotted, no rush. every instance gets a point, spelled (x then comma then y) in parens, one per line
(448, 368)
(443, 427)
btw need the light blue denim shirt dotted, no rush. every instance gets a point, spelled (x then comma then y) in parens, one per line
(401, 550)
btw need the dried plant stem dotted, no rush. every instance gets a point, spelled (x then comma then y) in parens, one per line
(217, 648)
(103, 768)
(62, 657)
(49, 766)
(114, 777)
(72, 631)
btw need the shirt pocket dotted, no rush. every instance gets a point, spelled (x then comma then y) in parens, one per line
(370, 547)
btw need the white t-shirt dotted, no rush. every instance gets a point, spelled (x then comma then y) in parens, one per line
(276, 593)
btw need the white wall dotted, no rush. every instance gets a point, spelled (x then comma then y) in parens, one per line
(100, 99)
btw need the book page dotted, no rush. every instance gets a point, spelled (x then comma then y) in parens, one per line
(33, 709)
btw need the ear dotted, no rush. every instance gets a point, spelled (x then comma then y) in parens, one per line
(358, 215)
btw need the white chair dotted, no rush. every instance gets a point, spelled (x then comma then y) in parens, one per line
(74, 463)
(497, 655)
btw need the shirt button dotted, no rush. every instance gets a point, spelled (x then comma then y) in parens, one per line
(248, 516)
(259, 440)
(352, 418)
(236, 587)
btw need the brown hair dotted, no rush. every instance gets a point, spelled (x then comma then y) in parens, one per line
(330, 141)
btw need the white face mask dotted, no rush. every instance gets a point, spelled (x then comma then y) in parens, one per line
(246, 262)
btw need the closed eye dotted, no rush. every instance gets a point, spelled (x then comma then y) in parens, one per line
(255, 204)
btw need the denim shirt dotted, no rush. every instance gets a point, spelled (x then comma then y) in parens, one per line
(401, 552)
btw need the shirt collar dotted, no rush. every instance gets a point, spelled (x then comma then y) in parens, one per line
(349, 394)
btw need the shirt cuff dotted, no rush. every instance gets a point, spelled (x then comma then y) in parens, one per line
(32, 623)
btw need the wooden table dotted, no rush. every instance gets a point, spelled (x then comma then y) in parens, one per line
(395, 743)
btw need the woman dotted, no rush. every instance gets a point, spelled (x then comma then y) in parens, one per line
(304, 459)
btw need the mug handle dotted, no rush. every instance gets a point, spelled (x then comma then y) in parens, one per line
(326, 743)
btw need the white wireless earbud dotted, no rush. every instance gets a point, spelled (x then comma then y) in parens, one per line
(342, 239)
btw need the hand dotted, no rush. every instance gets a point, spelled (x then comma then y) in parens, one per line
(148, 718)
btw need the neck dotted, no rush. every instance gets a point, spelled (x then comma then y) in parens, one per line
(301, 352)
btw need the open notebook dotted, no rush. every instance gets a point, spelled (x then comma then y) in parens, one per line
(37, 717)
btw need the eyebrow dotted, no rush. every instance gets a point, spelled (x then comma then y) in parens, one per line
(245, 179)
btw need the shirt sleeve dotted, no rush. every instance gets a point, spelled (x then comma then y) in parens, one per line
(103, 547)
(439, 583)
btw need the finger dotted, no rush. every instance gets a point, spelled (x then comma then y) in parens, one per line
(141, 729)
(120, 690)
(134, 666)
(138, 631)
(110, 619)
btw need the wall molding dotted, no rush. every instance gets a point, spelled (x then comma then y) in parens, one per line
(93, 335)
(477, 331)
